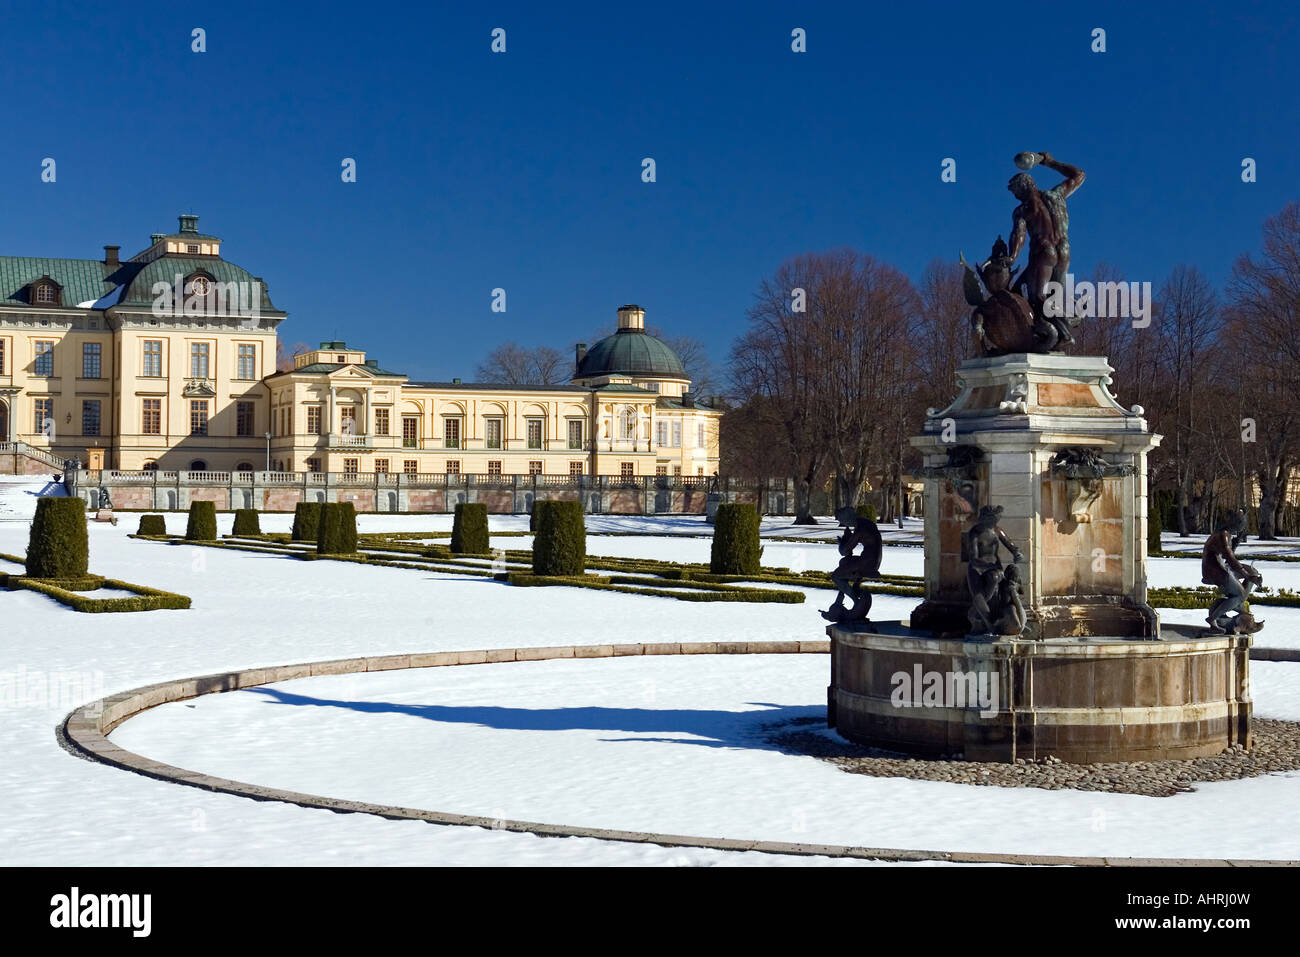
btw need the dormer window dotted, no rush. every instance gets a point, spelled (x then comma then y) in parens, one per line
(45, 292)
(192, 249)
(199, 287)
(341, 360)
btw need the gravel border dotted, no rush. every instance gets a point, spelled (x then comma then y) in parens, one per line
(1277, 748)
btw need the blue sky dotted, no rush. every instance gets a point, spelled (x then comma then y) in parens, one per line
(522, 170)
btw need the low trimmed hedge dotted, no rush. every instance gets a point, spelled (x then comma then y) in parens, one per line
(58, 546)
(736, 549)
(152, 525)
(246, 522)
(469, 529)
(143, 599)
(337, 534)
(306, 522)
(202, 526)
(560, 544)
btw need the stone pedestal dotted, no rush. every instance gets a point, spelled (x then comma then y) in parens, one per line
(1015, 437)
(1083, 700)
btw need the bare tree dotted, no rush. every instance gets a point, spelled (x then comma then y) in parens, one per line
(513, 364)
(1265, 306)
(284, 355)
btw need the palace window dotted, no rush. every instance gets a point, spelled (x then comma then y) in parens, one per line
(313, 420)
(677, 434)
(198, 465)
(494, 428)
(348, 417)
(152, 358)
(198, 416)
(627, 423)
(411, 467)
(198, 360)
(247, 365)
(575, 433)
(534, 433)
(450, 433)
(494, 467)
(453, 466)
(661, 434)
(575, 469)
(410, 432)
(677, 471)
(151, 417)
(47, 294)
(150, 466)
(351, 466)
(90, 360)
(2, 357)
(626, 470)
(381, 466)
(244, 419)
(191, 249)
(44, 362)
(699, 435)
(534, 468)
(381, 421)
(44, 416)
(661, 471)
(313, 465)
(90, 417)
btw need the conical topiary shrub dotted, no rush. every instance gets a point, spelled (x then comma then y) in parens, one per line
(736, 549)
(469, 530)
(560, 542)
(152, 525)
(58, 546)
(306, 521)
(246, 522)
(337, 534)
(202, 526)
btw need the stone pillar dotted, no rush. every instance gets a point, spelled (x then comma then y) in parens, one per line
(1043, 437)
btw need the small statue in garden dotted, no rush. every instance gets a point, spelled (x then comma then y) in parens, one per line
(1235, 580)
(996, 608)
(104, 501)
(859, 532)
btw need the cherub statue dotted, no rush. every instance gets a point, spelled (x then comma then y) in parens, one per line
(1003, 321)
(994, 589)
(1235, 580)
(861, 533)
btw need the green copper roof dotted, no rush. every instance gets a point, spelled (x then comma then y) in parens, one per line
(139, 280)
(83, 280)
(630, 352)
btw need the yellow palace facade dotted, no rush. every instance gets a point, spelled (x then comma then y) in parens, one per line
(166, 362)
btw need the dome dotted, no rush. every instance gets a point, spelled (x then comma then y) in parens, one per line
(630, 352)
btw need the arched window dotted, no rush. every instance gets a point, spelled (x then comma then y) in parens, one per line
(198, 465)
(244, 467)
(627, 423)
(150, 466)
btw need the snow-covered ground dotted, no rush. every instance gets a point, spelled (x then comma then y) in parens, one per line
(660, 743)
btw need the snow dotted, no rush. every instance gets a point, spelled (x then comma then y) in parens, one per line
(660, 743)
(18, 494)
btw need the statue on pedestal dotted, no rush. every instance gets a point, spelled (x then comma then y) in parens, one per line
(996, 608)
(859, 532)
(1044, 219)
(1235, 580)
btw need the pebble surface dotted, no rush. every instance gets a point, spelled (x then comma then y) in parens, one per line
(1276, 748)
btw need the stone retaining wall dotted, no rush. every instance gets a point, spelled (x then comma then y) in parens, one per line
(86, 730)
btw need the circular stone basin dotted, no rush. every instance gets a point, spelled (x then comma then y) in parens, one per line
(1086, 701)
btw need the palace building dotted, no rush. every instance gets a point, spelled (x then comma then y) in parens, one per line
(167, 361)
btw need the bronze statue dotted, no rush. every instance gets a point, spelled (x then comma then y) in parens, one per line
(1235, 580)
(861, 533)
(1043, 217)
(1003, 321)
(996, 608)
